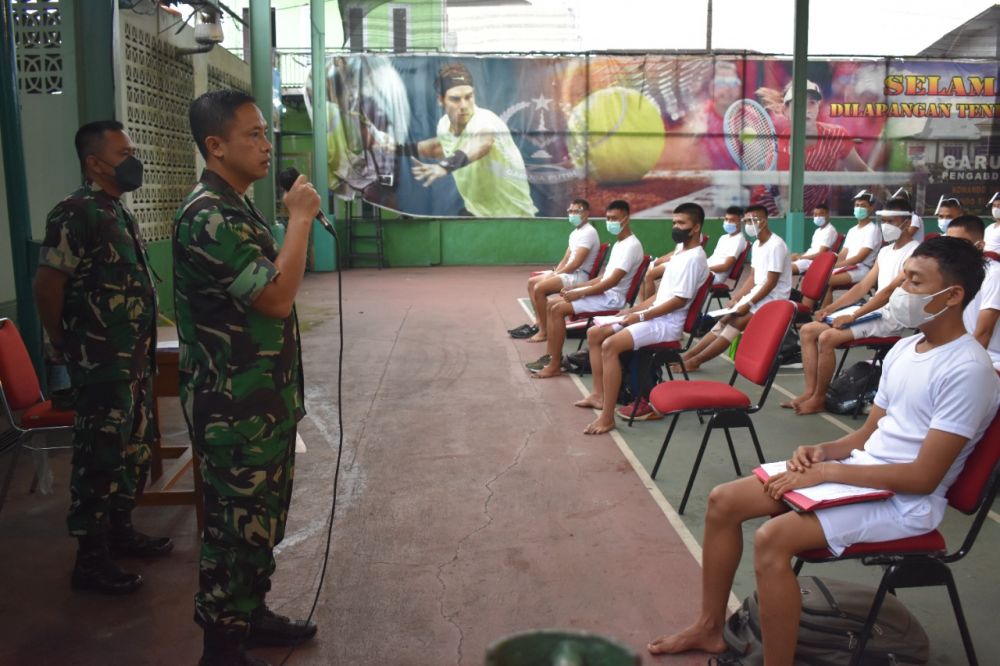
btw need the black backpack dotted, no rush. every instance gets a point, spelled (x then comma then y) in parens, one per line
(833, 614)
(858, 382)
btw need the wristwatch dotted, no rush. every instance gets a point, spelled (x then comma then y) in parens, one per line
(642, 316)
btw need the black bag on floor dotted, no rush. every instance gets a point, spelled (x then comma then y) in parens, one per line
(833, 614)
(578, 362)
(858, 382)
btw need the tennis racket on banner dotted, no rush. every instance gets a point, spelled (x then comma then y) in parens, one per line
(750, 136)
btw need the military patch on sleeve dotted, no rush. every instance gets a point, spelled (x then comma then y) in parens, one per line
(252, 280)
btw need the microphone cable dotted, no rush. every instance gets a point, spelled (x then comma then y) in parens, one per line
(340, 443)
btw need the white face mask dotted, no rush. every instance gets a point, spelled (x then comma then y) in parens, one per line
(751, 229)
(996, 212)
(890, 232)
(908, 309)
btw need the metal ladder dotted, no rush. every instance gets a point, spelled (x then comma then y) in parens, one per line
(363, 231)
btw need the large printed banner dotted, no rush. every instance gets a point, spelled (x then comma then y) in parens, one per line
(508, 137)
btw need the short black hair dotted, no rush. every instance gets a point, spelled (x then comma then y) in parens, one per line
(451, 75)
(582, 203)
(898, 204)
(951, 202)
(959, 261)
(734, 210)
(693, 210)
(971, 223)
(821, 206)
(757, 208)
(212, 112)
(90, 137)
(619, 204)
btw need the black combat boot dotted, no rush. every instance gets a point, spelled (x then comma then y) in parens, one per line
(268, 629)
(225, 648)
(95, 572)
(125, 541)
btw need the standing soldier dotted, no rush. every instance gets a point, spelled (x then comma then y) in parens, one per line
(241, 372)
(96, 300)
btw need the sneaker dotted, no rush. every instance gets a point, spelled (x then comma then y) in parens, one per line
(643, 411)
(523, 332)
(268, 629)
(538, 364)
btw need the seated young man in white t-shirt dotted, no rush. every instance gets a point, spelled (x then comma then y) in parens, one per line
(861, 246)
(982, 314)
(937, 395)
(607, 292)
(823, 240)
(772, 280)
(991, 235)
(820, 340)
(574, 269)
(659, 318)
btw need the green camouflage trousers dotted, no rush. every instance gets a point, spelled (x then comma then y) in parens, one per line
(112, 434)
(247, 486)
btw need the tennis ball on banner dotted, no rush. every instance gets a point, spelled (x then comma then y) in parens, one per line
(617, 134)
(748, 134)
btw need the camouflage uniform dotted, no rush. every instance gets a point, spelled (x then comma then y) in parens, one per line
(109, 325)
(241, 391)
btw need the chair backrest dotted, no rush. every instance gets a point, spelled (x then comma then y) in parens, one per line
(931, 235)
(757, 354)
(17, 374)
(704, 240)
(640, 273)
(602, 254)
(817, 276)
(839, 243)
(694, 308)
(981, 467)
(737, 270)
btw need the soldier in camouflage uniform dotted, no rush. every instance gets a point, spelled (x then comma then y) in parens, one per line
(97, 302)
(240, 371)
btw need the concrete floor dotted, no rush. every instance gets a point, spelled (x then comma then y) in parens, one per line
(470, 505)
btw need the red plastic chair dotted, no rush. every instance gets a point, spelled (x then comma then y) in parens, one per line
(814, 284)
(25, 408)
(723, 290)
(756, 360)
(595, 270)
(704, 240)
(665, 353)
(931, 235)
(923, 561)
(584, 320)
(838, 243)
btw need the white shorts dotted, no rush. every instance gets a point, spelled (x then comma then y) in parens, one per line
(802, 264)
(877, 328)
(755, 306)
(858, 274)
(657, 329)
(571, 280)
(599, 303)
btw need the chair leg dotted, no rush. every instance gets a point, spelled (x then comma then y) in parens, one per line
(732, 452)
(697, 464)
(840, 366)
(866, 631)
(963, 628)
(10, 473)
(756, 442)
(663, 449)
(644, 366)
(797, 568)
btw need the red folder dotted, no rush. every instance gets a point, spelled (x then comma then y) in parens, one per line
(800, 502)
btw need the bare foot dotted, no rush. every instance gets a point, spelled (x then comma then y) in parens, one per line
(599, 427)
(810, 407)
(694, 637)
(794, 402)
(547, 372)
(688, 365)
(591, 401)
(538, 337)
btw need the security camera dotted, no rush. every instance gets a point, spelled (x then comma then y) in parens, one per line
(209, 31)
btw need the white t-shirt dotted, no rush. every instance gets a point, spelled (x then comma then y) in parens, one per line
(585, 236)
(869, 236)
(730, 245)
(952, 388)
(991, 238)
(684, 274)
(771, 257)
(625, 255)
(988, 298)
(825, 236)
(890, 262)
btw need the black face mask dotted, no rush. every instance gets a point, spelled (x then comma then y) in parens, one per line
(128, 173)
(680, 235)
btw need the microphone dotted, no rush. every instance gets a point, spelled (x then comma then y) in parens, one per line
(286, 179)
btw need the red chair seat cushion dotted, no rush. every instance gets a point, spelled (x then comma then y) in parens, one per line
(44, 415)
(670, 345)
(802, 308)
(865, 342)
(671, 397)
(932, 542)
(720, 288)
